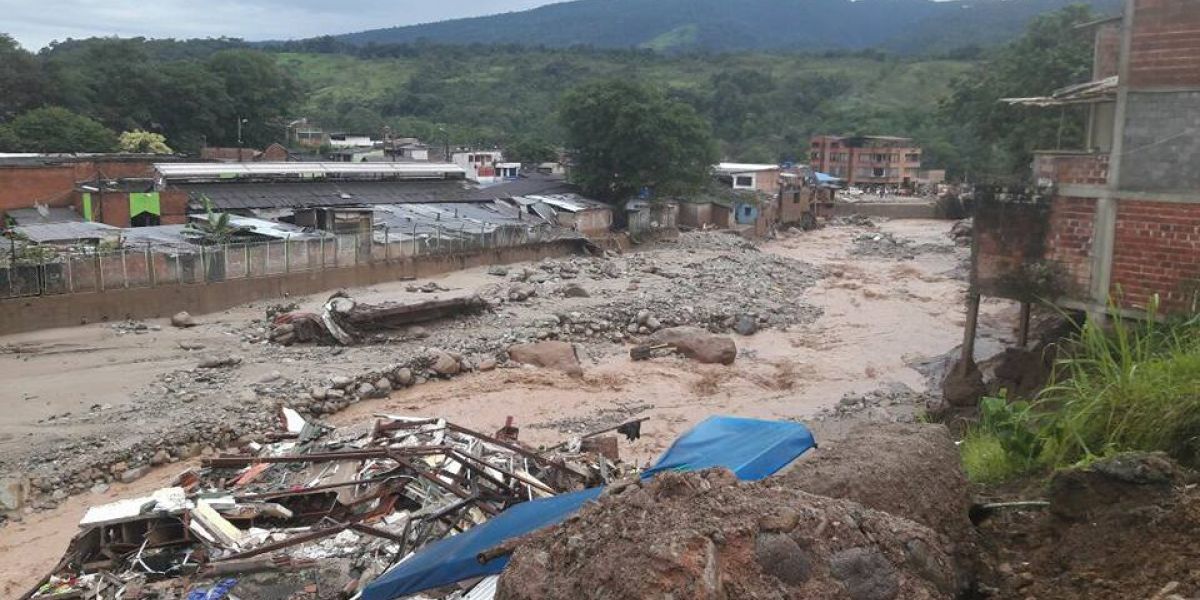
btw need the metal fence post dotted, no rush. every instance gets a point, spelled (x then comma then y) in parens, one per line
(287, 254)
(124, 270)
(179, 268)
(70, 276)
(387, 245)
(43, 280)
(150, 267)
(439, 238)
(322, 251)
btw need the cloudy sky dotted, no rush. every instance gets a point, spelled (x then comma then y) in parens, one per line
(34, 23)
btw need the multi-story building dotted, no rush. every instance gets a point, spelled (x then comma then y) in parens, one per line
(867, 160)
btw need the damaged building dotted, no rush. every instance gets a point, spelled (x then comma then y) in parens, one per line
(1113, 226)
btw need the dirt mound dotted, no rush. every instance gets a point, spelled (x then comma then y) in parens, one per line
(909, 470)
(1122, 528)
(705, 535)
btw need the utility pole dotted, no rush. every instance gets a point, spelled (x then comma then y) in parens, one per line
(240, 122)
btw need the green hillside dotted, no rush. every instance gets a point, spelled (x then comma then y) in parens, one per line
(763, 106)
(905, 26)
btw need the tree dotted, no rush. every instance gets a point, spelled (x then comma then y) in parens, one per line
(625, 136)
(999, 139)
(56, 129)
(143, 142)
(530, 151)
(21, 78)
(260, 93)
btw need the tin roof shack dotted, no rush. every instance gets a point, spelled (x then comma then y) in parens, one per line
(1116, 223)
(657, 218)
(703, 213)
(588, 217)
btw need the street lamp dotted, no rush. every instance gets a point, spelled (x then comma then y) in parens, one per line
(241, 122)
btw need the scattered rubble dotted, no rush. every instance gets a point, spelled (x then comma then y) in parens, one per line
(357, 500)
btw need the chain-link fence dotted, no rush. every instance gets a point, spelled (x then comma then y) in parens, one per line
(47, 272)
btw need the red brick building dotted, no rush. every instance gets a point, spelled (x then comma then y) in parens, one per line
(867, 160)
(1118, 220)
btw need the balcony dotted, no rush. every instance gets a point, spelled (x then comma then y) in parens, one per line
(1062, 167)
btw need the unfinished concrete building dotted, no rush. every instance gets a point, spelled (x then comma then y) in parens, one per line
(1114, 225)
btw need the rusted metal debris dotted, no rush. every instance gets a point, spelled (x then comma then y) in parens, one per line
(379, 491)
(344, 321)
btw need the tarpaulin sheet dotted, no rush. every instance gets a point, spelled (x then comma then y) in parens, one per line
(751, 448)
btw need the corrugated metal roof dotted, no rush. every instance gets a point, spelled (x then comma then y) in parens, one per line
(569, 202)
(271, 229)
(733, 168)
(1101, 90)
(485, 589)
(47, 214)
(172, 171)
(67, 232)
(531, 184)
(246, 196)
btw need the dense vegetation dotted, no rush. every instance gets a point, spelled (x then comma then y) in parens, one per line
(761, 106)
(904, 26)
(1132, 386)
(626, 137)
(188, 91)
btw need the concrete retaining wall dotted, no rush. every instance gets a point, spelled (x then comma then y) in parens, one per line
(19, 315)
(891, 210)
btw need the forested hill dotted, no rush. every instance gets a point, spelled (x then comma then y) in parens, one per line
(906, 26)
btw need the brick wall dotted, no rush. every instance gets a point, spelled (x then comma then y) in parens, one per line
(1166, 44)
(1071, 168)
(53, 184)
(21, 187)
(1069, 238)
(1107, 59)
(1157, 250)
(1015, 242)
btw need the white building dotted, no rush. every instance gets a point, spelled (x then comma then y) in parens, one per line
(480, 165)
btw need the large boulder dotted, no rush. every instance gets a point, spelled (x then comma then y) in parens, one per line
(550, 355)
(697, 344)
(707, 536)
(183, 319)
(444, 363)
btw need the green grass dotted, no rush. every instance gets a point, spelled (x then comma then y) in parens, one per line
(1131, 385)
(985, 459)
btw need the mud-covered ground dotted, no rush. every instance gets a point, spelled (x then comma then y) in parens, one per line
(836, 325)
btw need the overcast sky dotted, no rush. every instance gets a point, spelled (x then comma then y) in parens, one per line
(35, 23)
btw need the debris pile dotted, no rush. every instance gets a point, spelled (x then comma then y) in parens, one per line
(883, 245)
(704, 535)
(344, 321)
(348, 503)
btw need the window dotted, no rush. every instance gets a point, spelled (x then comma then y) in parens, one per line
(743, 181)
(878, 172)
(795, 197)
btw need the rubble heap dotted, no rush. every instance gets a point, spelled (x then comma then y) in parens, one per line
(704, 535)
(339, 505)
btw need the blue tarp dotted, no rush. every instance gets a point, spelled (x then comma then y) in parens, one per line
(751, 448)
(827, 178)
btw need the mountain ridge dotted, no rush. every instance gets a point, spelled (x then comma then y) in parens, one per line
(901, 26)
